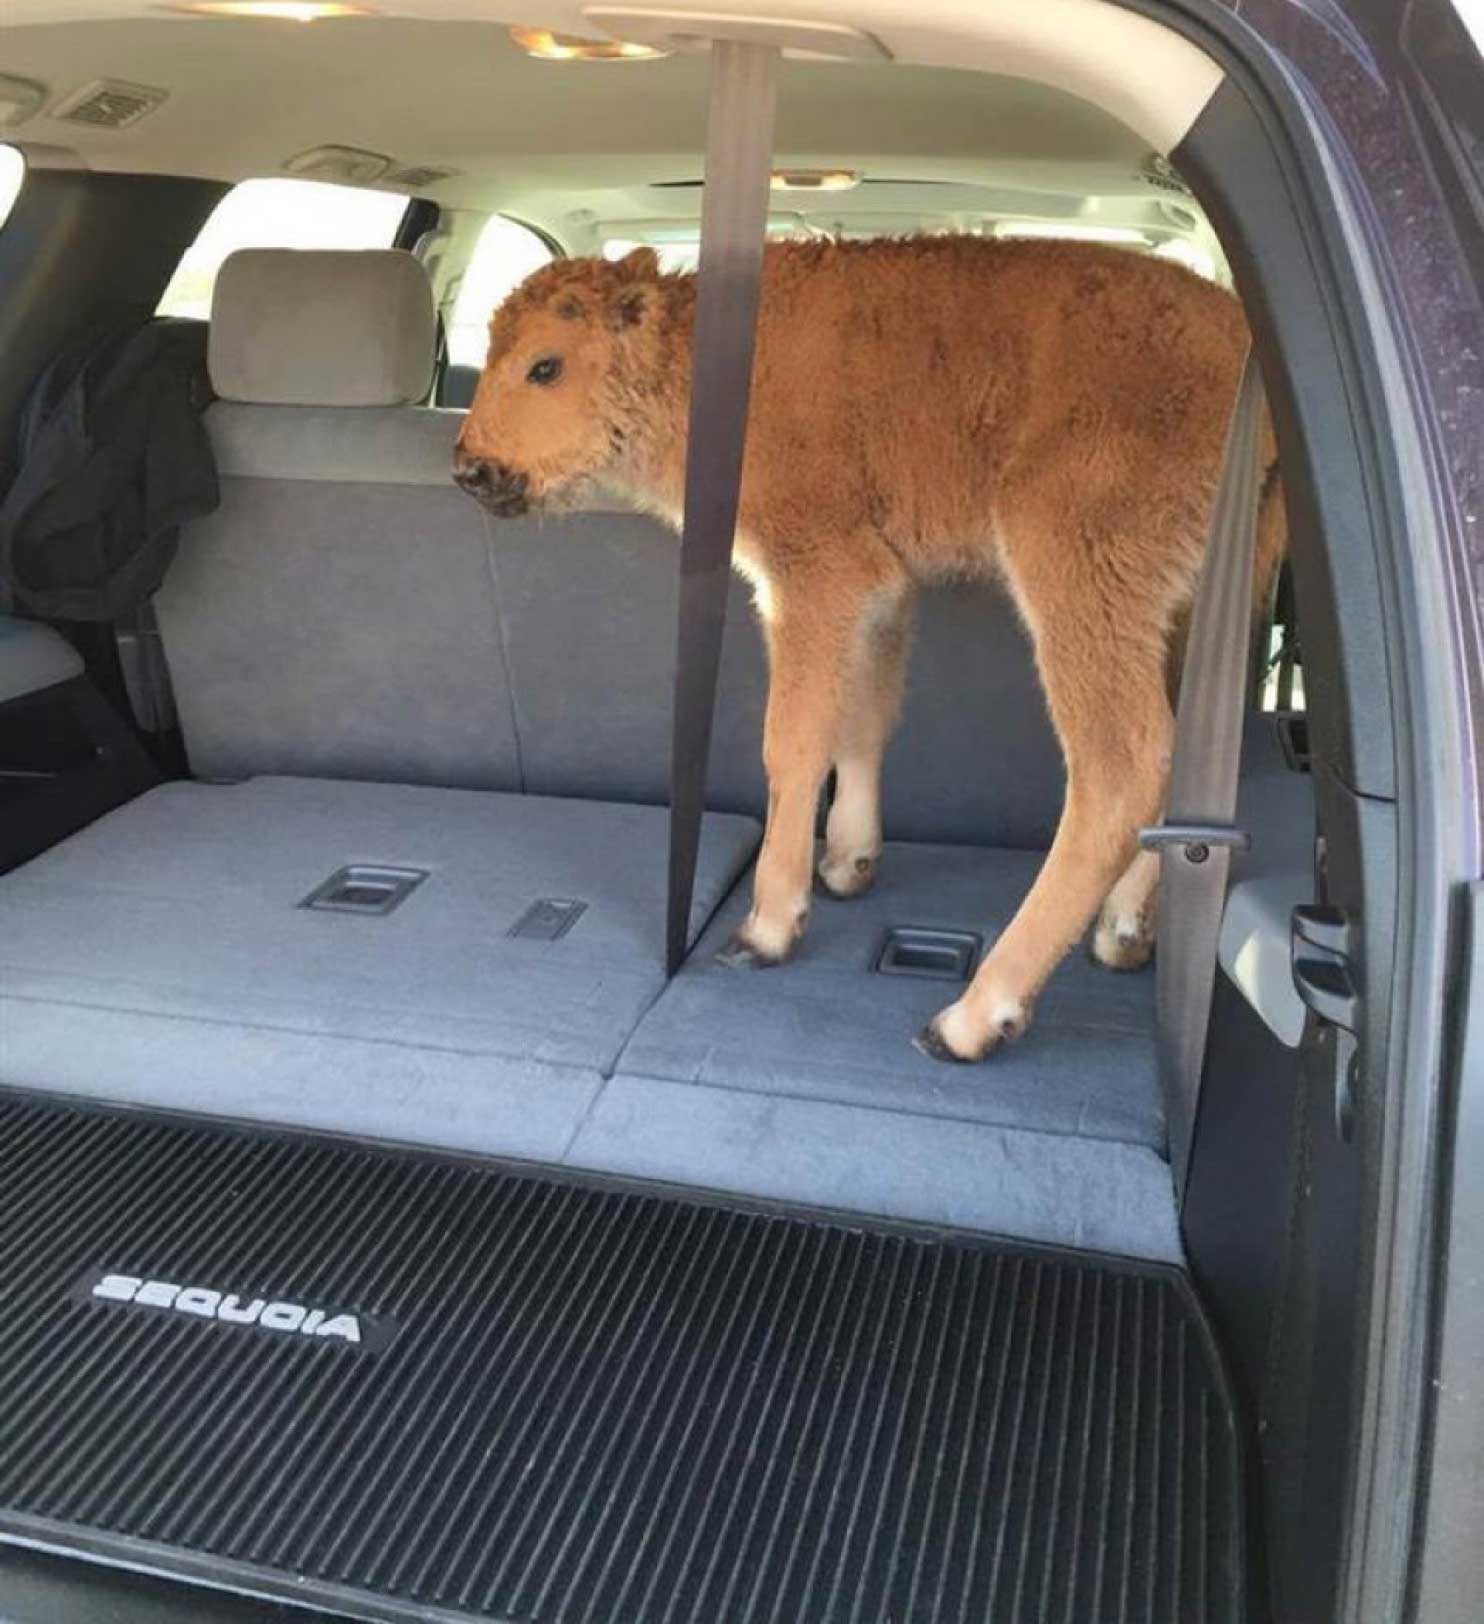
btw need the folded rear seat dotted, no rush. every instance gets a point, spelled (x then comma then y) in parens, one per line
(162, 957)
(335, 622)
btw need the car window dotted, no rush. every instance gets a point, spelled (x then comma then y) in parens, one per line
(1283, 667)
(279, 214)
(676, 252)
(12, 173)
(505, 255)
(1471, 12)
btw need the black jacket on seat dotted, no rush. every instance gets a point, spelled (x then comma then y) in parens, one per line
(113, 458)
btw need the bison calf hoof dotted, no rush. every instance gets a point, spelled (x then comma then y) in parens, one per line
(955, 1035)
(754, 947)
(931, 1042)
(740, 954)
(847, 877)
(1123, 944)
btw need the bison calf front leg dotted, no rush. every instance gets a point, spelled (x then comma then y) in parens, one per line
(810, 642)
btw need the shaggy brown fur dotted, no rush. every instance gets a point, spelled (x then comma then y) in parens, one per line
(1049, 413)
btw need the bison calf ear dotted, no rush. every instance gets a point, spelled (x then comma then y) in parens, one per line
(639, 265)
(634, 274)
(627, 308)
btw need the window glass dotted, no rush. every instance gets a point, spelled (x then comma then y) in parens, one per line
(1472, 14)
(505, 255)
(12, 173)
(681, 253)
(1283, 669)
(678, 246)
(279, 214)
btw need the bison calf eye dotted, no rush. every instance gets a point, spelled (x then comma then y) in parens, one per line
(547, 370)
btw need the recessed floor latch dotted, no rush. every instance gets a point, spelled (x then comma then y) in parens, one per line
(365, 888)
(548, 919)
(940, 955)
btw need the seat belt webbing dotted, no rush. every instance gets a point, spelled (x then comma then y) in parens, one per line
(1197, 837)
(146, 673)
(734, 212)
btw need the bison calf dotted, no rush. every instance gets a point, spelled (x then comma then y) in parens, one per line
(1049, 413)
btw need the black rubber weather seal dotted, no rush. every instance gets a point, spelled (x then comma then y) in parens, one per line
(406, 1386)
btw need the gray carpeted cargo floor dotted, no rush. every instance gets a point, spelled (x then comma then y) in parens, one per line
(161, 957)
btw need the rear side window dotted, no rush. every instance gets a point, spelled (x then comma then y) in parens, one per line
(505, 255)
(279, 214)
(12, 173)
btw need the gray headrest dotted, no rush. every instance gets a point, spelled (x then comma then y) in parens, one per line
(294, 327)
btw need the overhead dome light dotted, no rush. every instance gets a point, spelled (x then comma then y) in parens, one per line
(546, 46)
(814, 180)
(282, 11)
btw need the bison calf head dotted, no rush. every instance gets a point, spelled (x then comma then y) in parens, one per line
(568, 353)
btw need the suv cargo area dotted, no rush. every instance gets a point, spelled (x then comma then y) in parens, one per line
(382, 1230)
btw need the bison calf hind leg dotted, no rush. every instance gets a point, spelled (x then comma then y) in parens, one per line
(872, 698)
(1123, 938)
(1100, 651)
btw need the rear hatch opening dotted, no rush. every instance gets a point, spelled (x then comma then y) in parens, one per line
(390, 1234)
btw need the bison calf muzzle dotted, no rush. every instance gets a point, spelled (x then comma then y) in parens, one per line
(496, 487)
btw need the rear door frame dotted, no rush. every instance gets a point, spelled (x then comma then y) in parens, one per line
(1372, 227)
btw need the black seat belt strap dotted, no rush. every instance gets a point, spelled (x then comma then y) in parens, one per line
(1198, 836)
(141, 652)
(734, 212)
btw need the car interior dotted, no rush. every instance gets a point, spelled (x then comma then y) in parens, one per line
(362, 830)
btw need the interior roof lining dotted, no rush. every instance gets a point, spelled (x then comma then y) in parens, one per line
(1151, 80)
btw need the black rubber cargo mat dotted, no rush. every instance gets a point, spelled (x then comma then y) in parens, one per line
(401, 1385)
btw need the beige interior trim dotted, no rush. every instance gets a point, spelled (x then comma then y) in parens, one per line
(1145, 75)
(40, 155)
(673, 30)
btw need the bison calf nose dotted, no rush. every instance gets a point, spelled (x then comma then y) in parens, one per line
(472, 476)
(498, 488)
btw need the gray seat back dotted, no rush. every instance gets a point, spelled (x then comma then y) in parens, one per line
(588, 604)
(335, 617)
